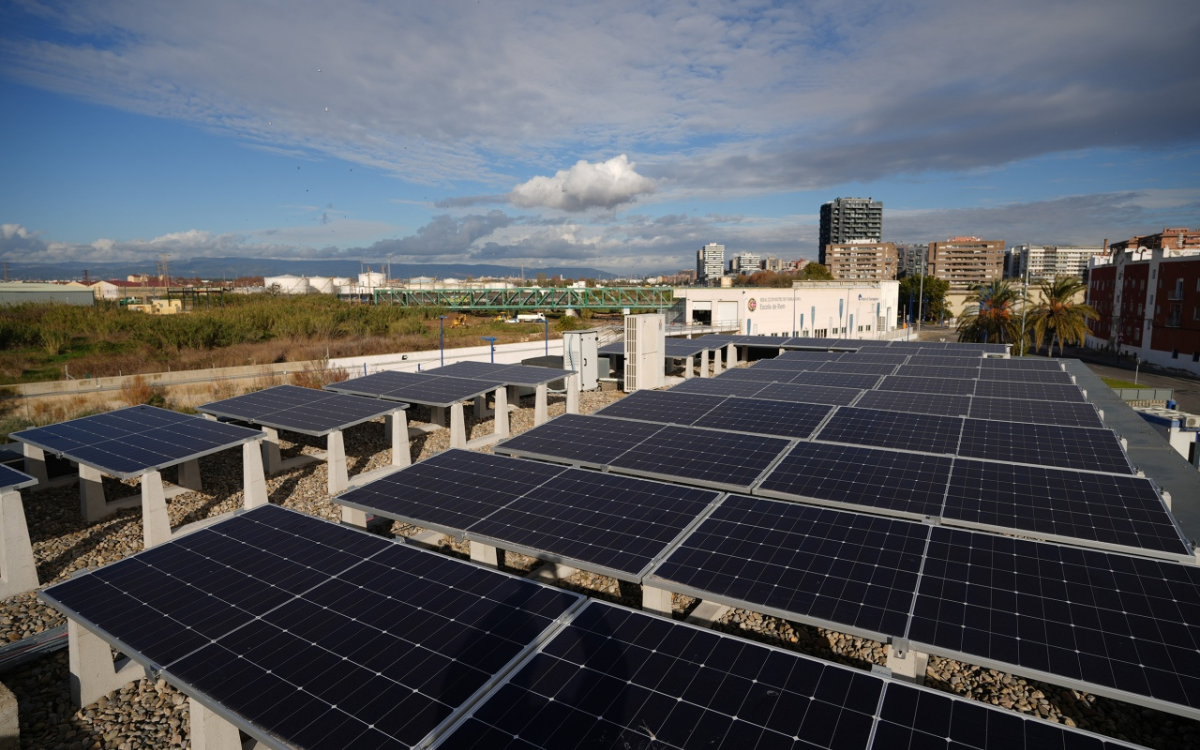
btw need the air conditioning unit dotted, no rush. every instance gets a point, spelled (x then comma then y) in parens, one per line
(645, 347)
(579, 354)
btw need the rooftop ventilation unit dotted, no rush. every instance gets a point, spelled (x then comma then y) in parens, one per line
(645, 347)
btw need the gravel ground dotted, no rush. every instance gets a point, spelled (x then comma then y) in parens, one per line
(148, 715)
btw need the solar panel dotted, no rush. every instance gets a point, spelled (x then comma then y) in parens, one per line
(809, 343)
(763, 417)
(128, 442)
(762, 342)
(853, 367)
(804, 393)
(617, 347)
(910, 484)
(313, 634)
(1071, 506)
(1118, 625)
(1023, 363)
(803, 356)
(710, 458)
(527, 375)
(1044, 445)
(616, 678)
(761, 375)
(947, 373)
(919, 403)
(1067, 414)
(466, 370)
(573, 438)
(377, 383)
(720, 387)
(684, 348)
(815, 565)
(793, 365)
(1044, 377)
(665, 407)
(927, 385)
(11, 479)
(451, 490)
(1028, 391)
(925, 360)
(890, 429)
(873, 357)
(836, 379)
(417, 387)
(303, 410)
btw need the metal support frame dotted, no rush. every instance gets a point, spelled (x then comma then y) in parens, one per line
(18, 571)
(93, 671)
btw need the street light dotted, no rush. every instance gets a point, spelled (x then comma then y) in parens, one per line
(442, 336)
(1025, 299)
(491, 340)
(546, 321)
(921, 292)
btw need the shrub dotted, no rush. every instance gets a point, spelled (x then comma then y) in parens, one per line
(136, 391)
(318, 375)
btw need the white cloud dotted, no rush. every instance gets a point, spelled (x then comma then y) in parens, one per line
(605, 184)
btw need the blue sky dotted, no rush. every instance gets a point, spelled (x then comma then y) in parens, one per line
(584, 133)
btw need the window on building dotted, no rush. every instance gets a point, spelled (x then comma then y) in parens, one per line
(1178, 288)
(1174, 354)
(1196, 356)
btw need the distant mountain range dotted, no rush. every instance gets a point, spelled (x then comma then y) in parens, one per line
(230, 268)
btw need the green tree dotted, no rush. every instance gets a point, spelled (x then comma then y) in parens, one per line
(934, 291)
(1060, 315)
(816, 272)
(993, 314)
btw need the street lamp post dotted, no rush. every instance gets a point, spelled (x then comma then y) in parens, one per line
(546, 322)
(491, 340)
(1025, 299)
(442, 337)
(921, 292)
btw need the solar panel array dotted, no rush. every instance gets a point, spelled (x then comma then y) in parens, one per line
(601, 522)
(507, 374)
(129, 442)
(304, 410)
(11, 479)
(737, 414)
(447, 385)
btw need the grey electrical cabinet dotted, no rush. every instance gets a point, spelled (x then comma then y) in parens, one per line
(579, 354)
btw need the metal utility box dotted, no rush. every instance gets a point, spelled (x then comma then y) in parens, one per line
(645, 348)
(579, 354)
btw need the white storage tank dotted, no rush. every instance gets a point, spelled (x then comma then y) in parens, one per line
(371, 279)
(321, 284)
(341, 282)
(286, 284)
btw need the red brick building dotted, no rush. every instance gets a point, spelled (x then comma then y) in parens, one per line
(1148, 296)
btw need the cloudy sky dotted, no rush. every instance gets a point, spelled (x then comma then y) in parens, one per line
(586, 133)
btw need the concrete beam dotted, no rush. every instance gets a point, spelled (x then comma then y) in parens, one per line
(540, 405)
(706, 613)
(907, 664)
(335, 463)
(91, 494)
(458, 427)
(35, 464)
(254, 482)
(189, 475)
(18, 571)
(486, 554)
(210, 731)
(572, 383)
(396, 425)
(93, 671)
(481, 408)
(426, 539)
(704, 363)
(656, 600)
(272, 462)
(156, 522)
(502, 428)
(687, 368)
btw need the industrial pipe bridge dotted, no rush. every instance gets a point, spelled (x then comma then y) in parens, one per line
(530, 298)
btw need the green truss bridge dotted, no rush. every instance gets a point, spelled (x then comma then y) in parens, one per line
(530, 298)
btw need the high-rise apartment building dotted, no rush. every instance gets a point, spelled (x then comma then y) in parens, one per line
(966, 261)
(865, 260)
(1049, 261)
(710, 263)
(845, 219)
(744, 263)
(910, 260)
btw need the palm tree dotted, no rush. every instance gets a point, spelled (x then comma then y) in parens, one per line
(1059, 314)
(996, 315)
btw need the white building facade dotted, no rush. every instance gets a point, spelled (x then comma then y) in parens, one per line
(848, 309)
(710, 263)
(1048, 261)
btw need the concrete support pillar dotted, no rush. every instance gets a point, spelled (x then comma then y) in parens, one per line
(93, 672)
(272, 462)
(717, 361)
(502, 428)
(731, 357)
(656, 600)
(483, 553)
(254, 482)
(189, 475)
(706, 613)
(10, 725)
(458, 427)
(335, 463)
(687, 367)
(540, 406)
(396, 424)
(18, 573)
(35, 464)
(156, 522)
(354, 517)
(572, 383)
(907, 664)
(514, 395)
(91, 494)
(210, 731)
(437, 415)
(704, 363)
